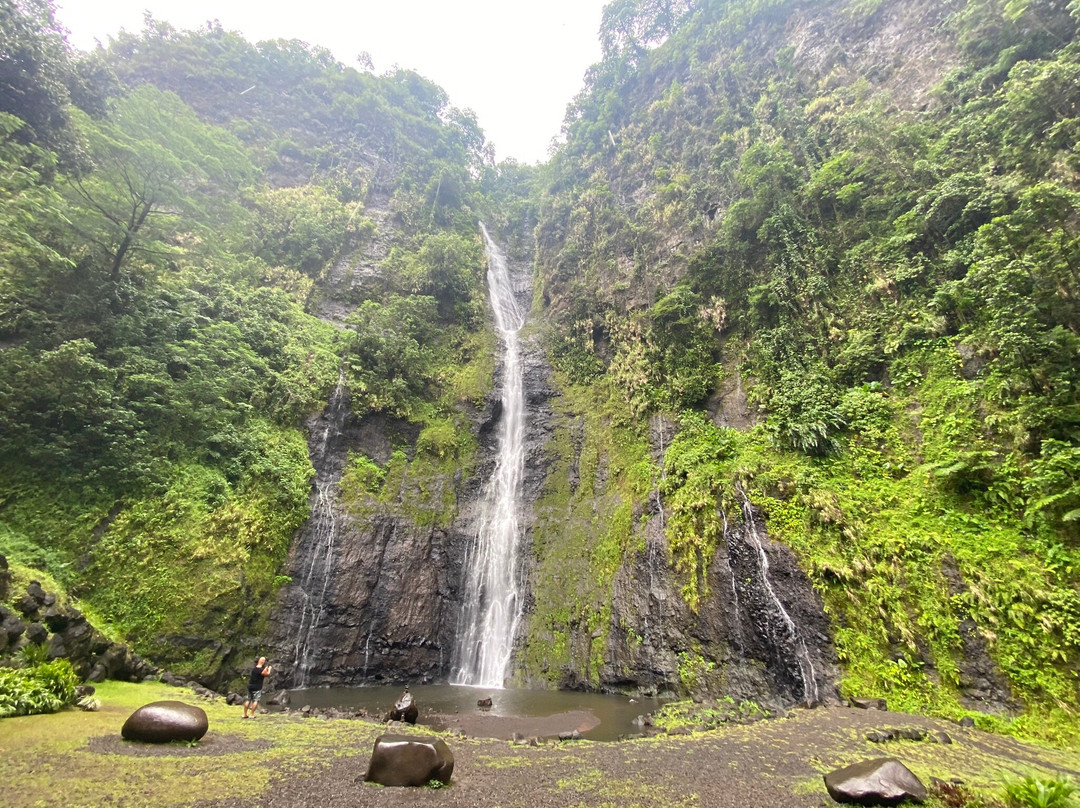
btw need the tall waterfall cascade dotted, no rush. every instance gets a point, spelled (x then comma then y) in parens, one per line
(320, 536)
(492, 603)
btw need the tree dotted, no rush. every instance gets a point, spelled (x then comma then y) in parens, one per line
(35, 73)
(630, 27)
(154, 162)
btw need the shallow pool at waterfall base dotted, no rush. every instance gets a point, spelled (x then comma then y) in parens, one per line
(529, 713)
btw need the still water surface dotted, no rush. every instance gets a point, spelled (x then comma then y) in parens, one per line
(544, 713)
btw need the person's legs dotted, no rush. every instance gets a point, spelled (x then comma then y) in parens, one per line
(255, 696)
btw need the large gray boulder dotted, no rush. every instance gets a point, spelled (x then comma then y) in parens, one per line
(881, 781)
(406, 760)
(165, 721)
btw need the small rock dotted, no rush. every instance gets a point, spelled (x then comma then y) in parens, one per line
(35, 591)
(56, 619)
(912, 734)
(941, 737)
(869, 704)
(570, 736)
(967, 721)
(280, 698)
(484, 704)
(877, 736)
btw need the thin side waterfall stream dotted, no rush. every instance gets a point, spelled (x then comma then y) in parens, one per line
(802, 654)
(492, 598)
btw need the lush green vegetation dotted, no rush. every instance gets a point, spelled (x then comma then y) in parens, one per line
(164, 252)
(885, 259)
(39, 686)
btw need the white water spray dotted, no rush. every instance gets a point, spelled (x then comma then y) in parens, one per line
(492, 598)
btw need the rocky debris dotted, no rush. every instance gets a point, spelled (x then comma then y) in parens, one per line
(66, 634)
(484, 704)
(37, 633)
(205, 692)
(281, 698)
(520, 740)
(164, 722)
(881, 781)
(869, 704)
(907, 734)
(405, 709)
(307, 711)
(570, 736)
(11, 628)
(406, 760)
(967, 721)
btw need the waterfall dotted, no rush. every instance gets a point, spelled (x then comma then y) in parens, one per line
(320, 536)
(492, 599)
(798, 645)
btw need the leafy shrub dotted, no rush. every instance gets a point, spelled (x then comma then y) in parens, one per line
(44, 688)
(1034, 792)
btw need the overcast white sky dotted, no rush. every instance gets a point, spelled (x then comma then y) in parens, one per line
(516, 64)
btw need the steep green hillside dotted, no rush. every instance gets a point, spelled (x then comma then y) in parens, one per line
(172, 208)
(840, 242)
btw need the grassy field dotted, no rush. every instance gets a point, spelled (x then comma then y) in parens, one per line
(77, 759)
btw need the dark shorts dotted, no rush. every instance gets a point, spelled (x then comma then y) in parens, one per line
(254, 696)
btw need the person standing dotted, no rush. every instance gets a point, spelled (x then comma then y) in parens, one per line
(256, 681)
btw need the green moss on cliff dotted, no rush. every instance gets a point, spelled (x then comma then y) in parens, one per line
(586, 527)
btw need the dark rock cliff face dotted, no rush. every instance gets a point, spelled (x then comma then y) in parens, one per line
(372, 598)
(377, 596)
(758, 637)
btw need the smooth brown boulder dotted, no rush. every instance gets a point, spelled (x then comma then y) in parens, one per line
(164, 722)
(406, 760)
(405, 709)
(881, 781)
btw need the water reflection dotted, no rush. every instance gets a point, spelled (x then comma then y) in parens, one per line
(543, 713)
